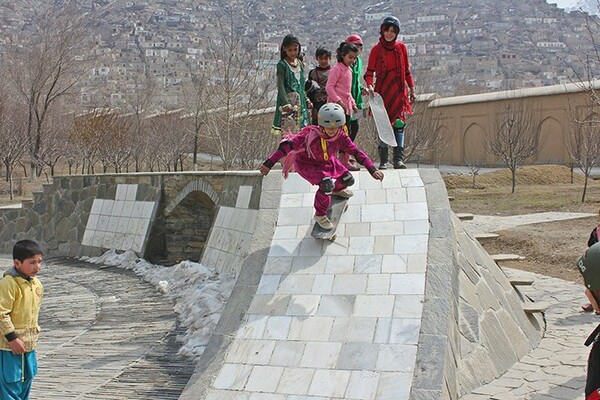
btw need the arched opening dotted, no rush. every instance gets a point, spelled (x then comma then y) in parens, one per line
(474, 147)
(187, 227)
(551, 146)
(182, 233)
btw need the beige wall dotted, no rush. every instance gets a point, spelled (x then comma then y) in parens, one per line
(468, 120)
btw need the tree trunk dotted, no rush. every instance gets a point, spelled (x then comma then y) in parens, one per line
(10, 182)
(514, 179)
(585, 183)
(196, 151)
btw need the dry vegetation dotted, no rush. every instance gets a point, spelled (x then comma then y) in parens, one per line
(550, 248)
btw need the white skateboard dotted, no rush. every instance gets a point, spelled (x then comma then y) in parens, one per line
(382, 121)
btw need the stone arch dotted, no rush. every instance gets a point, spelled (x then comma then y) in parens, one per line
(474, 145)
(193, 186)
(187, 227)
(551, 143)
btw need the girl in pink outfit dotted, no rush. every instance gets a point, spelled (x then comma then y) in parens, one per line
(313, 151)
(339, 81)
(339, 88)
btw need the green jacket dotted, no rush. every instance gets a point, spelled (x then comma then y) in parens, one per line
(356, 86)
(287, 83)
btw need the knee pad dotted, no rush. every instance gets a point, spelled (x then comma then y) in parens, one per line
(326, 185)
(348, 179)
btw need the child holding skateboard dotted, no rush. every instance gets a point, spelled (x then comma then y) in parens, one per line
(313, 151)
(339, 87)
(388, 62)
(20, 297)
(291, 99)
(317, 79)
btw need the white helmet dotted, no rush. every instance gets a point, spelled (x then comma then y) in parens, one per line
(331, 115)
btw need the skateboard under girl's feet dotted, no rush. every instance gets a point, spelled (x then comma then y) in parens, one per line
(337, 207)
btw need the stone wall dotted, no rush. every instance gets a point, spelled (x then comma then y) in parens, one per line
(57, 216)
(66, 217)
(473, 326)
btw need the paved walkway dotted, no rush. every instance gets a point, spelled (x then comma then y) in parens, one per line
(493, 223)
(105, 335)
(556, 368)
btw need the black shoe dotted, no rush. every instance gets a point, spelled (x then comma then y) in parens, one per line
(399, 165)
(383, 157)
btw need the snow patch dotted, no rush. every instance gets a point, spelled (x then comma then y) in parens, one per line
(199, 294)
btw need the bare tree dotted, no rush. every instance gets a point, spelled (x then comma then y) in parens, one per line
(87, 137)
(46, 65)
(13, 141)
(590, 61)
(115, 141)
(226, 97)
(424, 134)
(167, 127)
(514, 135)
(584, 145)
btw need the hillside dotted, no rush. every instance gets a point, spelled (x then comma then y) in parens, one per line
(456, 47)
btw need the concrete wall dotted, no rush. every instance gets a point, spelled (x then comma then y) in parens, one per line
(469, 120)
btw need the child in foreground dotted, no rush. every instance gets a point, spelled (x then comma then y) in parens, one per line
(20, 298)
(313, 151)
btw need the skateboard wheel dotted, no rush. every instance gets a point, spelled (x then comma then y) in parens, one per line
(333, 238)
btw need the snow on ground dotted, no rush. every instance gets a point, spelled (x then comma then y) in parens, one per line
(199, 293)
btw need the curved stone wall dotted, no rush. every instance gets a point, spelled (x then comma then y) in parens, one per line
(473, 325)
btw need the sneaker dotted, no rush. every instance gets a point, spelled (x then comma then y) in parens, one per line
(323, 221)
(383, 165)
(346, 193)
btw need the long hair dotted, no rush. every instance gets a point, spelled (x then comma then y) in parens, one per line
(287, 41)
(344, 49)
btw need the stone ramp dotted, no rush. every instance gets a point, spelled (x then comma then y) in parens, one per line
(404, 305)
(333, 320)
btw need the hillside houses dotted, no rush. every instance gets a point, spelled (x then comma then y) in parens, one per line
(455, 47)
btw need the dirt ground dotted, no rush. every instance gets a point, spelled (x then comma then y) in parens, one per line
(550, 248)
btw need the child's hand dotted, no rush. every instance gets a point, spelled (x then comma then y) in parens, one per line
(371, 90)
(309, 104)
(264, 170)
(378, 175)
(17, 346)
(286, 108)
(355, 109)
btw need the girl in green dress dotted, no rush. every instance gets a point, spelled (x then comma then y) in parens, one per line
(291, 112)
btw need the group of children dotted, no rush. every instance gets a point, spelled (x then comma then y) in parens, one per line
(324, 106)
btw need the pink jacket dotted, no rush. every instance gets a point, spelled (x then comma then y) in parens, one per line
(339, 85)
(315, 159)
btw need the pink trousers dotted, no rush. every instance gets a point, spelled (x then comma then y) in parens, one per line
(323, 200)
